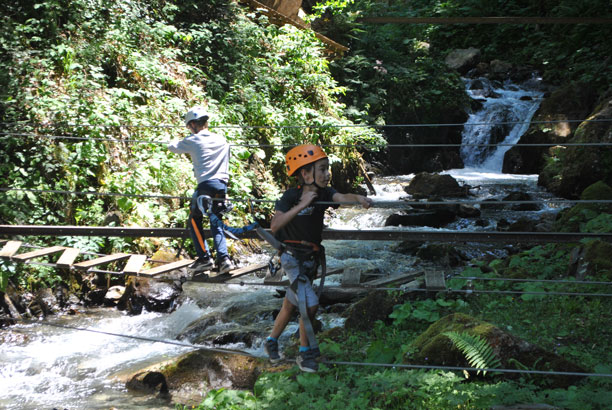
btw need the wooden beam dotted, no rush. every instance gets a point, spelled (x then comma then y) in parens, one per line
(68, 257)
(485, 20)
(38, 253)
(158, 270)
(134, 264)
(10, 248)
(434, 280)
(392, 279)
(101, 261)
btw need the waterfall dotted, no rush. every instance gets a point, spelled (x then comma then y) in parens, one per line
(502, 119)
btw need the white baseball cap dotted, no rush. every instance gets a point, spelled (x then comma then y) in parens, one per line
(196, 113)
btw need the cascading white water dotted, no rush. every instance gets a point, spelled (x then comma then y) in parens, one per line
(503, 119)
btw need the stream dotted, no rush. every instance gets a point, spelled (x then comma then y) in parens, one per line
(44, 367)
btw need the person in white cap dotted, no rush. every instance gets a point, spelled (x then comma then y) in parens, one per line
(210, 155)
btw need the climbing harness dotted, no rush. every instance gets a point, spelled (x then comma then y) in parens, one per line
(301, 250)
(205, 204)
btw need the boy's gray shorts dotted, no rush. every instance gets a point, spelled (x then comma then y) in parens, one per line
(292, 270)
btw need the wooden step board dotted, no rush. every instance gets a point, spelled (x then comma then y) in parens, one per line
(38, 253)
(134, 264)
(68, 257)
(158, 270)
(101, 261)
(393, 279)
(10, 248)
(233, 274)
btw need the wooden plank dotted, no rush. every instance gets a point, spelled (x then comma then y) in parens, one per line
(101, 261)
(351, 277)
(10, 248)
(68, 257)
(393, 279)
(38, 253)
(166, 267)
(236, 273)
(134, 264)
(434, 280)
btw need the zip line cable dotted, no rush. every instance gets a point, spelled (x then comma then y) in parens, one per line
(329, 362)
(377, 204)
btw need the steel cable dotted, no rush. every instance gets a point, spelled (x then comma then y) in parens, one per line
(329, 362)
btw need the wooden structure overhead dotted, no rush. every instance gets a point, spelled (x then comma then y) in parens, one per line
(280, 19)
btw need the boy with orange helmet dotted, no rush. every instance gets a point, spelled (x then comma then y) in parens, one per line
(298, 223)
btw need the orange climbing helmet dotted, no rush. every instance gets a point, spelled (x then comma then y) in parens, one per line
(302, 155)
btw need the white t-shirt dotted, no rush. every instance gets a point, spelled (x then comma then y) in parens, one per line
(209, 154)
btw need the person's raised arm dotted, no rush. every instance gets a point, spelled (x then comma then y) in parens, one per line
(363, 200)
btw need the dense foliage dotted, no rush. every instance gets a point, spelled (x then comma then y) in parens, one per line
(91, 89)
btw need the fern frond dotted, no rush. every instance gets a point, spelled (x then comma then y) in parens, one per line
(477, 351)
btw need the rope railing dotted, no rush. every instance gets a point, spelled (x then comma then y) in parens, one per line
(376, 204)
(352, 145)
(312, 126)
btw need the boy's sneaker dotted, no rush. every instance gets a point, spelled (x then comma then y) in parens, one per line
(306, 361)
(201, 265)
(225, 266)
(271, 349)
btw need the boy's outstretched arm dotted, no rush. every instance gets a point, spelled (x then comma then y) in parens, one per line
(363, 200)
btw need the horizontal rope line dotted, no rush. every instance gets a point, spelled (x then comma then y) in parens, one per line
(409, 125)
(368, 288)
(353, 145)
(379, 204)
(484, 20)
(465, 291)
(578, 282)
(331, 362)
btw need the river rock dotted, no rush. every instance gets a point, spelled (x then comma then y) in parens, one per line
(570, 220)
(435, 218)
(152, 295)
(188, 378)
(433, 347)
(521, 196)
(463, 59)
(425, 185)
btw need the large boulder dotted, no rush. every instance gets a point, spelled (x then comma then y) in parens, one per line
(574, 168)
(425, 185)
(463, 60)
(551, 125)
(575, 219)
(434, 347)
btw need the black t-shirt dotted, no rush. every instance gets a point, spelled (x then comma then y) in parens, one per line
(308, 224)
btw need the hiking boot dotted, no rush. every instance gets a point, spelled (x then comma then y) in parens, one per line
(201, 265)
(306, 361)
(225, 266)
(271, 349)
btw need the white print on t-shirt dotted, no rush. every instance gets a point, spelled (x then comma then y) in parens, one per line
(306, 211)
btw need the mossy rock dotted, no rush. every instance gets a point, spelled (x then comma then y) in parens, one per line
(597, 256)
(573, 219)
(376, 306)
(433, 347)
